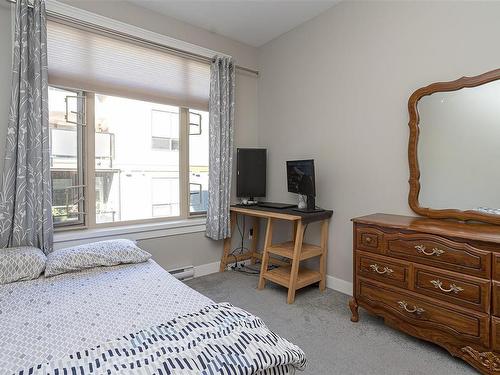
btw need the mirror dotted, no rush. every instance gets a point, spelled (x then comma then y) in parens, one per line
(455, 149)
(458, 145)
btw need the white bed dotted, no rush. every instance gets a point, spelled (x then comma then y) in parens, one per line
(51, 317)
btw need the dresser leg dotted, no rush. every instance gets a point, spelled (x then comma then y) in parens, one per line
(353, 305)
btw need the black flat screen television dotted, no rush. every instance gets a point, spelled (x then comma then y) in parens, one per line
(251, 166)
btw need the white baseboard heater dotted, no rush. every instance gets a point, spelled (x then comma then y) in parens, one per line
(184, 273)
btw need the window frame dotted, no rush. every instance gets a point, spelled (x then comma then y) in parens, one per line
(196, 214)
(87, 146)
(80, 126)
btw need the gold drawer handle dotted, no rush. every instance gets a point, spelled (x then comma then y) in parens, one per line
(386, 270)
(415, 310)
(453, 287)
(422, 250)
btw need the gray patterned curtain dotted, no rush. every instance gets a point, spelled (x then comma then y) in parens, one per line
(221, 108)
(25, 190)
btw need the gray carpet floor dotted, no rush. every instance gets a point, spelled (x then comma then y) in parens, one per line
(320, 324)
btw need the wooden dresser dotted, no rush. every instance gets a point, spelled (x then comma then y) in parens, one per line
(437, 280)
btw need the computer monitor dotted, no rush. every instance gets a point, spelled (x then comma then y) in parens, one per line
(301, 180)
(251, 172)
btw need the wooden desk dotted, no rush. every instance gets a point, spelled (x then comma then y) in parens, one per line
(288, 274)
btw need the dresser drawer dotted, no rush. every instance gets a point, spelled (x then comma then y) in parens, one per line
(369, 239)
(383, 269)
(496, 267)
(466, 291)
(495, 333)
(419, 312)
(496, 298)
(440, 252)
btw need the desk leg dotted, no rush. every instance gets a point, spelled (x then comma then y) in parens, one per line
(255, 240)
(227, 244)
(265, 255)
(294, 271)
(322, 259)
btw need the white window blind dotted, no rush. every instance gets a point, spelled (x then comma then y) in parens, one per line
(91, 61)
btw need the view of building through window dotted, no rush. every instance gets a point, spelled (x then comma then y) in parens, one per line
(135, 179)
(198, 161)
(137, 158)
(66, 133)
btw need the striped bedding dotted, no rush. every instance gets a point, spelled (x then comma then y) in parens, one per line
(218, 339)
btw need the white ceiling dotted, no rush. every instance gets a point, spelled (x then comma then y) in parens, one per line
(251, 22)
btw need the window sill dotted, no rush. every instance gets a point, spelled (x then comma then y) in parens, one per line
(132, 232)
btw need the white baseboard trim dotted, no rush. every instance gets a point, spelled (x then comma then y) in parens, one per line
(339, 285)
(334, 283)
(206, 269)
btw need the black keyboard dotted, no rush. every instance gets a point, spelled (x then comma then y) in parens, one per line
(280, 206)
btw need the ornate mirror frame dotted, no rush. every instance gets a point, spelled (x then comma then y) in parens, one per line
(414, 181)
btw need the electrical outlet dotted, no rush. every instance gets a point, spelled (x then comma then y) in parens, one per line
(250, 234)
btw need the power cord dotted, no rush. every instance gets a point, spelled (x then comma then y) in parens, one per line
(247, 271)
(244, 269)
(241, 248)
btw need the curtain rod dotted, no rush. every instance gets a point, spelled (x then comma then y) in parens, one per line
(53, 16)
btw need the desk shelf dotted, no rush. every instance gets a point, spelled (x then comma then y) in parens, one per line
(286, 249)
(281, 276)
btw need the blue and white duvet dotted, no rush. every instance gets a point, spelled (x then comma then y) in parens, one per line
(219, 339)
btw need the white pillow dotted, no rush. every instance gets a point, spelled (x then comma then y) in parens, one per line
(21, 263)
(103, 253)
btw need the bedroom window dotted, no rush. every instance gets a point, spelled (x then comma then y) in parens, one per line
(128, 179)
(129, 130)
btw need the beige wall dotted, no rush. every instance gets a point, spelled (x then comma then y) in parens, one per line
(181, 250)
(336, 88)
